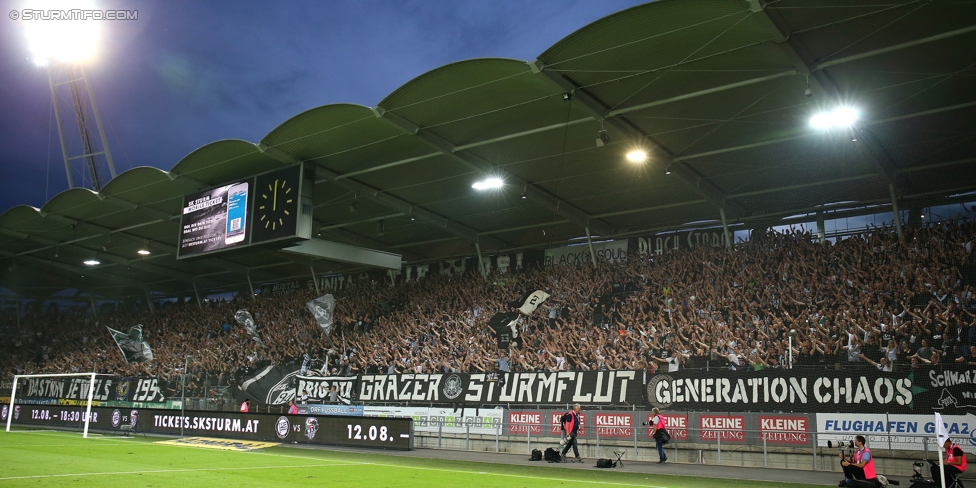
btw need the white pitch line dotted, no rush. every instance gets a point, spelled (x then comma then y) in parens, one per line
(186, 470)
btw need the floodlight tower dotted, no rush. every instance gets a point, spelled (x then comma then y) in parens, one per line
(62, 47)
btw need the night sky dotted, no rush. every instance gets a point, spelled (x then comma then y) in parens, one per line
(189, 73)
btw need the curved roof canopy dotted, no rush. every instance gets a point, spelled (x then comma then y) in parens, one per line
(712, 90)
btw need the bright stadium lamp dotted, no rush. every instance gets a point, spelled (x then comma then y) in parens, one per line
(61, 41)
(837, 118)
(488, 184)
(637, 156)
(92, 262)
(62, 35)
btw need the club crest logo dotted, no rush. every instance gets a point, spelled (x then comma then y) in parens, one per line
(282, 427)
(116, 417)
(16, 412)
(3, 413)
(311, 427)
(122, 390)
(452, 387)
(133, 418)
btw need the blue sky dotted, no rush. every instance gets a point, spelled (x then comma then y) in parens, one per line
(188, 73)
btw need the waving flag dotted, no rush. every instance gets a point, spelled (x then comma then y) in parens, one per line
(322, 308)
(244, 318)
(134, 349)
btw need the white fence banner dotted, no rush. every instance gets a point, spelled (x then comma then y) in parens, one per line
(482, 421)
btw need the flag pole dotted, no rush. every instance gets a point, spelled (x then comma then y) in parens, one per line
(941, 437)
(941, 468)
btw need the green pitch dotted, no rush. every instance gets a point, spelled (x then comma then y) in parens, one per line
(48, 458)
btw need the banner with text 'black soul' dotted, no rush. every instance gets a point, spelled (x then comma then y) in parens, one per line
(583, 387)
(922, 390)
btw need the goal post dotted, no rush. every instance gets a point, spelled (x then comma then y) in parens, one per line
(91, 393)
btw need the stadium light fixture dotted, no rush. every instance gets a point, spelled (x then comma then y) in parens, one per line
(92, 262)
(64, 41)
(838, 118)
(143, 252)
(637, 156)
(488, 184)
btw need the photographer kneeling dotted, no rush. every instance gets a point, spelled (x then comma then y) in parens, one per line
(860, 467)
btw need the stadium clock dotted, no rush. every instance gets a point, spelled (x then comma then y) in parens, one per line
(277, 203)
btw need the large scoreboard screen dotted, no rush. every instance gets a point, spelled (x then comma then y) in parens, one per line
(215, 219)
(269, 207)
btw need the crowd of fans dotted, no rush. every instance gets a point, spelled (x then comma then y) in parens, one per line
(868, 301)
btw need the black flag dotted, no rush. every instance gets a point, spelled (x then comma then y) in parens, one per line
(505, 325)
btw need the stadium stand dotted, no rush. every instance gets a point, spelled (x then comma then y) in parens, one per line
(852, 303)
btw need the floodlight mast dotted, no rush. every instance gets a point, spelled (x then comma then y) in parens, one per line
(72, 75)
(62, 46)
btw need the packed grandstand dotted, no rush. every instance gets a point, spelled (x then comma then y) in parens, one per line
(865, 301)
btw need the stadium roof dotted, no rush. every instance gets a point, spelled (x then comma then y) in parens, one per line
(713, 90)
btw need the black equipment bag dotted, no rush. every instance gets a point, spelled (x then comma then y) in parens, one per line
(605, 463)
(663, 435)
(551, 455)
(926, 484)
(536, 455)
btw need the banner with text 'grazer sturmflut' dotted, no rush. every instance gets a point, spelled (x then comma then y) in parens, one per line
(583, 387)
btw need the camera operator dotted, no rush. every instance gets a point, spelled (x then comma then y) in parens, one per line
(859, 467)
(658, 426)
(954, 465)
(570, 424)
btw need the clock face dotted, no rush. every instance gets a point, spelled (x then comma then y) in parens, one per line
(276, 205)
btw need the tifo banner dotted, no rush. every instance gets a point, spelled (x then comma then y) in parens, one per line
(446, 420)
(319, 388)
(74, 390)
(776, 390)
(276, 385)
(387, 433)
(322, 308)
(605, 251)
(563, 387)
(133, 348)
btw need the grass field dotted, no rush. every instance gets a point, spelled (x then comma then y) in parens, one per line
(46, 458)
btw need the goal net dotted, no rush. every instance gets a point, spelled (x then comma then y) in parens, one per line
(43, 414)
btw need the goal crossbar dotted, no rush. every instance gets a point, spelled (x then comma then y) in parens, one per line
(91, 393)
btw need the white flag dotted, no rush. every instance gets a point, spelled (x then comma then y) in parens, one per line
(532, 301)
(940, 430)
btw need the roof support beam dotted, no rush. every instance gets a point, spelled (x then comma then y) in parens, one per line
(474, 162)
(35, 261)
(664, 158)
(324, 175)
(230, 266)
(896, 47)
(805, 64)
(135, 263)
(688, 157)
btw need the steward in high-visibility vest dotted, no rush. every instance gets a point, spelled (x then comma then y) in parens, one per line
(955, 463)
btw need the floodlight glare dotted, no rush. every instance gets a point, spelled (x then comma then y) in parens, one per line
(839, 117)
(70, 41)
(92, 262)
(637, 156)
(143, 252)
(488, 184)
